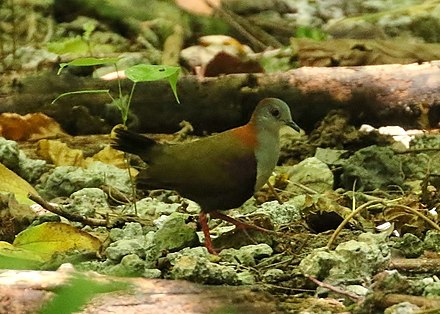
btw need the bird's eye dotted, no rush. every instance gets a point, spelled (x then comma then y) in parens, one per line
(275, 112)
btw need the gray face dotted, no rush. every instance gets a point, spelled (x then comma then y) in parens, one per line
(272, 113)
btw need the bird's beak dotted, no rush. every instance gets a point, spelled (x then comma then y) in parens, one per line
(293, 125)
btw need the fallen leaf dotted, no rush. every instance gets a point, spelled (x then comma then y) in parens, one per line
(12, 183)
(109, 156)
(224, 63)
(52, 238)
(12, 257)
(14, 217)
(220, 54)
(32, 126)
(59, 154)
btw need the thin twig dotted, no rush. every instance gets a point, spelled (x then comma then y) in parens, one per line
(259, 38)
(70, 216)
(335, 289)
(274, 193)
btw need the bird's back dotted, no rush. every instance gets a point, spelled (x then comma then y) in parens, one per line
(217, 172)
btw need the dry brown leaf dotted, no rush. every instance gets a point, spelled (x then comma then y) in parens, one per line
(32, 126)
(59, 154)
(107, 155)
(224, 63)
(219, 54)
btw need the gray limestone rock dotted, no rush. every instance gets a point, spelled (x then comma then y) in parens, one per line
(9, 153)
(372, 167)
(312, 173)
(117, 250)
(352, 261)
(246, 255)
(86, 201)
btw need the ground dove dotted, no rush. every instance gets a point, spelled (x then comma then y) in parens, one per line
(218, 172)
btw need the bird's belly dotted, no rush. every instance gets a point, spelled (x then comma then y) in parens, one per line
(221, 201)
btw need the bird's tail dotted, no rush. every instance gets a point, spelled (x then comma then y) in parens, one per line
(131, 142)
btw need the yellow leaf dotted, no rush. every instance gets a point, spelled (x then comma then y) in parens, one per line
(52, 238)
(109, 156)
(59, 153)
(12, 183)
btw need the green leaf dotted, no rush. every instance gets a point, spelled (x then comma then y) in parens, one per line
(81, 62)
(149, 72)
(12, 257)
(71, 297)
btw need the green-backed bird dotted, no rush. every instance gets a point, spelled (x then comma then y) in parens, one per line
(218, 172)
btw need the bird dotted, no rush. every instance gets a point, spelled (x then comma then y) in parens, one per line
(218, 172)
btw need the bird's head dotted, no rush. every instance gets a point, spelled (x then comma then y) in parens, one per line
(272, 114)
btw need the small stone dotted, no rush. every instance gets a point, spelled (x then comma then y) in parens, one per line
(31, 169)
(65, 180)
(273, 275)
(175, 234)
(117, 250)
(319, 263)
(246, 255)
(9, 153)
(111, 175)
(151, 208)
(152, 273)
(130, 265)
(87, 200)
(432, 241)
(350, 261)
(402, 308)
(201, 270)
(410, 245)
(245, 278)
(280, 213)
(432, 290)
(357, 289)
(133, 264)
(131, 230)
(312, 173)
(372, 167)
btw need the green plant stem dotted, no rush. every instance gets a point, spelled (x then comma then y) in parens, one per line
(132, 183)
(124, 118)
(119, 82)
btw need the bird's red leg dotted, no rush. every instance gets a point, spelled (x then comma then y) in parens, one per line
(237, 223)
(205, 228)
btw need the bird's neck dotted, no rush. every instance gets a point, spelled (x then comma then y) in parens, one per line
(266, 153)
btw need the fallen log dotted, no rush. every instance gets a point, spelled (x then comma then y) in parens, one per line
(404, 95)
(28, 291)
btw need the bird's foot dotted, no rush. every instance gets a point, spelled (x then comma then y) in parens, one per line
(205, 228)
